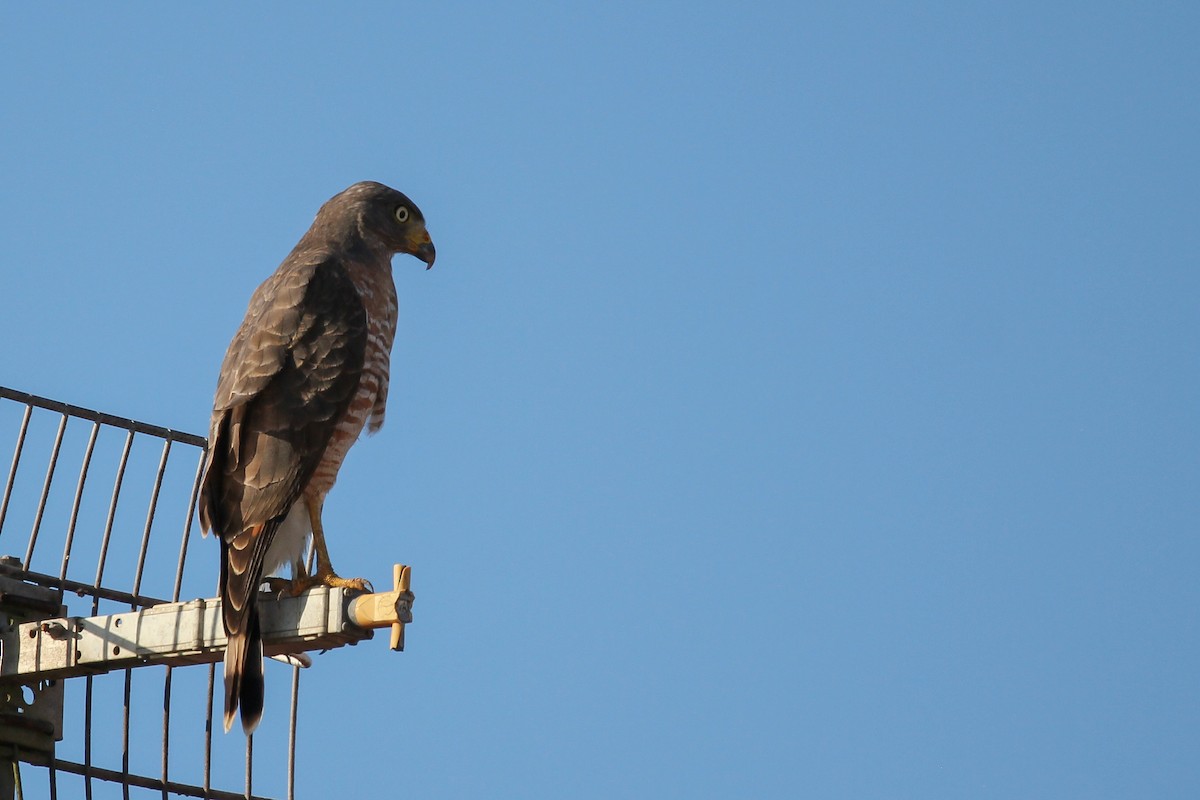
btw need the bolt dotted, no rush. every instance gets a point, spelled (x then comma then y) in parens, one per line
(56, 630)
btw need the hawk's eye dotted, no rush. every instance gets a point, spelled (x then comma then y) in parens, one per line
(402, 213)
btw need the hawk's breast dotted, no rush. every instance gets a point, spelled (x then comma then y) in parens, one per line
(378, 294)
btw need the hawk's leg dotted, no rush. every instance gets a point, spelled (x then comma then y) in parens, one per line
(324, 574)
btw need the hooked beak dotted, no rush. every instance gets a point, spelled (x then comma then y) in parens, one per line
(421, 246)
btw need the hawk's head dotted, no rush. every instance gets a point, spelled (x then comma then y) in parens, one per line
(381, 215)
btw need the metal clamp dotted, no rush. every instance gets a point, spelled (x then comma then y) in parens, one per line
(382, 609)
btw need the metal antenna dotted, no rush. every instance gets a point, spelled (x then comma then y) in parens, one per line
(110, 605)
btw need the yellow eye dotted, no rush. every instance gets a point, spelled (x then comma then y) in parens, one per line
(402, 213)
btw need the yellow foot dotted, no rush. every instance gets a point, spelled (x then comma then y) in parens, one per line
(306, 582)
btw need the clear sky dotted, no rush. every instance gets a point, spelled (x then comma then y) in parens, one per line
(804, 402)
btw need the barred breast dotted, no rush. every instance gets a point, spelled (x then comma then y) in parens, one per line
(378, 294)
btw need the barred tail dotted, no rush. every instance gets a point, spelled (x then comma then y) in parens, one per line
(241, 573)
(244, 676)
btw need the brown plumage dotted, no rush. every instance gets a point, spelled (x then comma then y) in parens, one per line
(305, 372)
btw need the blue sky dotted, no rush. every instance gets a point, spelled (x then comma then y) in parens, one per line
(803, 402)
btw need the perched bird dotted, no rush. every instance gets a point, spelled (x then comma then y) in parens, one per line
(305, 373)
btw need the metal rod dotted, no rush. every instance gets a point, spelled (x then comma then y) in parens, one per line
(16, 460)
(83, 471)
(294, 714)
(125, 734)
(291, 767)
(87, 738)
(166, 729)
(97, 416)
(83, 589)
(141, 782)
(112, 513)
(41, 509)
(187, 528)
(158, 479)
(208, 729)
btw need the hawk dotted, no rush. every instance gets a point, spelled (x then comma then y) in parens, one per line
(305, 373)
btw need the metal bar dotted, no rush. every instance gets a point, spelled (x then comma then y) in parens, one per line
(291, 767)
(83, 471)
(187, 790)
(112, 513)
(293, 713)
(166, 729)
(158, 479)
(125, 733)
(249, 766)
(16, 460)
(108, 525)
(172, 633)
(187, 528)
(41, 509)
(83, 589)
(183, 547)
(208, 729)
(107, 419)
(87, 739)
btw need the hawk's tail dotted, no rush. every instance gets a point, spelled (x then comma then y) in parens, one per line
(244, 676)
(241, 573)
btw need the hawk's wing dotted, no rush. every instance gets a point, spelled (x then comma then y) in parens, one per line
(286, 382)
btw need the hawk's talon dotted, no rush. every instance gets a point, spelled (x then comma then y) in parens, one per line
(356, 584)
(302, 584)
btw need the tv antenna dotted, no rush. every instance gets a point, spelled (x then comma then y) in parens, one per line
(90, 602)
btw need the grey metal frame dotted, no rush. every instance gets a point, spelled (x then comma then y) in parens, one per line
(42, 645)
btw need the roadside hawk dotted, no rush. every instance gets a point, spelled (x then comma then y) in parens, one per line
(305, 373)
